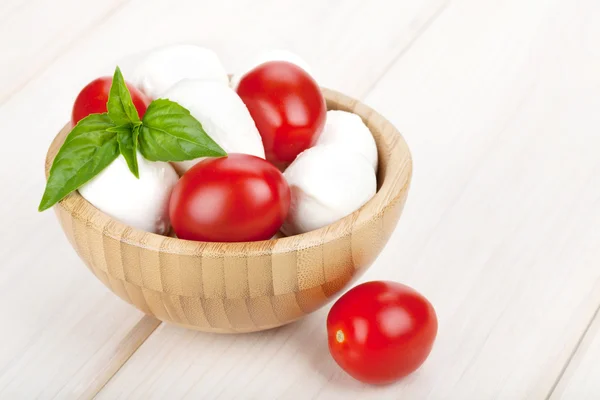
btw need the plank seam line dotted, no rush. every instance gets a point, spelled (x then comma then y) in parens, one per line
(575, 350)
(429, 22)
(134, 350)
(387, 68)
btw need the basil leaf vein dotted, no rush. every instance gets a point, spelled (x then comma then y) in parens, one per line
(127, 137)
(170, 133)
(120, 105)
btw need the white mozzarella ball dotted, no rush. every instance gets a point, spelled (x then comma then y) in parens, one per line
(142, 203)
(327, 184)
(223, 116)
(266, 56)
(163, 68)
(348, 132)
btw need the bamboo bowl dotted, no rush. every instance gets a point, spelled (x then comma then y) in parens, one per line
(242, 287)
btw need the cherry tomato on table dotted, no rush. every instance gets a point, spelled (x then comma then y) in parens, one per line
(93, 98)
(237, 198)
(287, 106)
(381, 331)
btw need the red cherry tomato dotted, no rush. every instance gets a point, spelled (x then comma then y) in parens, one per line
(237, 198)
(381, 331)
(92, 99)
(287, 106)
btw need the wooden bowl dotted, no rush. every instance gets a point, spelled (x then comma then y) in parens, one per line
(242, 287)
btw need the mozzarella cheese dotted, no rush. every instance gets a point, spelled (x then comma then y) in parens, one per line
(266, 56)
(327, 184)
(348, 132)
(141, 203)
(223, 116)
(163, 68)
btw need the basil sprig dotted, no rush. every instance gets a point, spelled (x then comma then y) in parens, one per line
(167, 132)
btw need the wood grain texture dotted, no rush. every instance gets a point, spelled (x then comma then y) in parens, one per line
(501, 227)
(44, 32)
(109, 366)
(497, 101)
(74, 33)
(56, 343)
(250, 286)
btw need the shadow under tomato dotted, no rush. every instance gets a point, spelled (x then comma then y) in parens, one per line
(309, 337)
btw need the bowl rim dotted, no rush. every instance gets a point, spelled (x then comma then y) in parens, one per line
(397, 155)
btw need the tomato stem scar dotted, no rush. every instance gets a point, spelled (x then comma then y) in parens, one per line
(339, 336)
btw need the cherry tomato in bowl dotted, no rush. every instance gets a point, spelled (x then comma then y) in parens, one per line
(93, 98)
(287, 106)
(238, 198)
(379, 331)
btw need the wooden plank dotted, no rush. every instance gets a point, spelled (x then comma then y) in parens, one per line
(59, 332)
(379, 32)
(69, 334)
(500, 227)
(34, 33)
(9, 7)
(498, 102)
(579, 379)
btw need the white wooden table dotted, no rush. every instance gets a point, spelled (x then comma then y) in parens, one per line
(500, 103)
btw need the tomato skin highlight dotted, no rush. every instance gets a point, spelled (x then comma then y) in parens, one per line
(381, 331)
(287, 106)
(93, 98)
(237, 198)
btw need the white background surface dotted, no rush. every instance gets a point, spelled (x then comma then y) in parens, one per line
(499, 102)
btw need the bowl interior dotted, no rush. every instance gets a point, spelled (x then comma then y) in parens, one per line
(393, 177)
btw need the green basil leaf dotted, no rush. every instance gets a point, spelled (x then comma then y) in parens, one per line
(87, 150)
(127, 136)
(120, 105)
(117, 129)
(170, 133)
